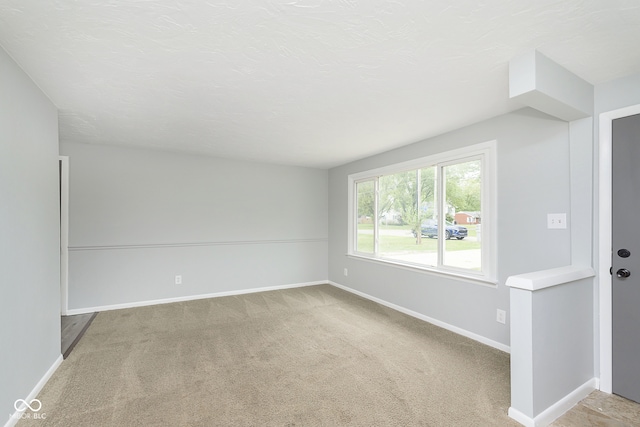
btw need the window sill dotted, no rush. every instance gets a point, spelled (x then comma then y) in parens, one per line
(431, 271)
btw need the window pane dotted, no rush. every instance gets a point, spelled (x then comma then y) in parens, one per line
(396, 208)
(365, 194)
(407, 200)
(463, 215)
(429, 215)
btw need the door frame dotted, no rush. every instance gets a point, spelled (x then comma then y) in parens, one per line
(605, 242)
(64, 234)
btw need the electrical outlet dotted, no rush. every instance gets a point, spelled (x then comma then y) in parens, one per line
(178, 280)
(501, 316)
(346, 272)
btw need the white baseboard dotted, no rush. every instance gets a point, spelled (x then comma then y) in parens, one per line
(15, 417)
(520, 417)
(189, 298)
(457, 330)
(558, 409)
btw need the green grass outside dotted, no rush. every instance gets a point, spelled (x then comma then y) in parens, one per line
(406, 244)
(471, 228)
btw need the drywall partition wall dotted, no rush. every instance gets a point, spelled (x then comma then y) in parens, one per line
(29, 236)
(563, 316)
(138, 218)
(533, 180)
(551, 342)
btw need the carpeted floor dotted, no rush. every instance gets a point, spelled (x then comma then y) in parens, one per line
(313, 356)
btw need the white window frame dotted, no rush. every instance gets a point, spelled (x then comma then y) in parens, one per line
(485, 151)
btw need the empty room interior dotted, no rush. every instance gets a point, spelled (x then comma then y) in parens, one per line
(319, 213)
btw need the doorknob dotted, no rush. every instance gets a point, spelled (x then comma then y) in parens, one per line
(624, 253)
(622, 273)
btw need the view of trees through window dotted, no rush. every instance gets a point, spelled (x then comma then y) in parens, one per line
(366, 206)
(398, 215)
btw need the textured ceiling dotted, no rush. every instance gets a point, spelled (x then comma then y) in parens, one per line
(312, 83)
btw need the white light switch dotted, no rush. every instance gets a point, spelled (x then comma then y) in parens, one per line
(557, 220)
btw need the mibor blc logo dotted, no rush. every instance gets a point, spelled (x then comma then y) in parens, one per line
(34, 405)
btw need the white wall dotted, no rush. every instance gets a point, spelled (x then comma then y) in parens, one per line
(29, 235)
(140, 217)
(562, 341)
(533, 180)
(617, 94)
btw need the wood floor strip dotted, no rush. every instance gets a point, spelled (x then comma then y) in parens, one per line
(73, 328)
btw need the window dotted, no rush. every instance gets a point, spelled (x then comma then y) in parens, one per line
(434, 213)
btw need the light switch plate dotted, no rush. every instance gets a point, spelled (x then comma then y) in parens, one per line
(557, 220)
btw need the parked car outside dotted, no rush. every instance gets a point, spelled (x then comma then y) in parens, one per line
(452, 231)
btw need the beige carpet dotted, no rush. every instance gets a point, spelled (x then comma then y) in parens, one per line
(314, 356)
